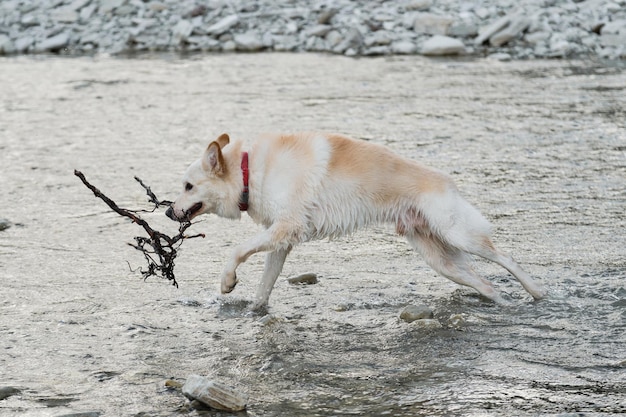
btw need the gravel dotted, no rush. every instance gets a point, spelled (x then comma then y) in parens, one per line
(501, 29)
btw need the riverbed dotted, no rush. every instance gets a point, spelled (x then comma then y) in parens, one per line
(538, 146)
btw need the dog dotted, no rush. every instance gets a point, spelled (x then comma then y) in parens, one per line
(309, 186)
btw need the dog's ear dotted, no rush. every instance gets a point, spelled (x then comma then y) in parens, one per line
(223, 140)
(213, 160)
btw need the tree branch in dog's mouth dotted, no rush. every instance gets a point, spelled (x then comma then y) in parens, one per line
(159, 249)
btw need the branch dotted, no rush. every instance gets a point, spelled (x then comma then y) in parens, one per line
(158, 249)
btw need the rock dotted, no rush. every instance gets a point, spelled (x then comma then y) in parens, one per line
(403, 47)
(4, 223)
(223, 25)
(431, 24)
(488, 31)
(515, 27)
(182, 30)
(411, 313)
(248, 42)
(615, 27)
(319, 30)
(462, 30)
(326, 16)
(442, 45)
(54, 43)
(351, 40)
(65, 15)
(78, 4)
(6, 47)
(536, 37)
(418, 5)
(214, 394)
(107, 6)
(304, 279)
(23, 44)
(6, 392)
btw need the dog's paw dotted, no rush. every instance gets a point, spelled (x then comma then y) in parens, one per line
(229, 281)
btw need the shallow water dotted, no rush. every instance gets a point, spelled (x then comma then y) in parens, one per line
(539, 147)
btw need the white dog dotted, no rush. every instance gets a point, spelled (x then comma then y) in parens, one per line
(310, 186)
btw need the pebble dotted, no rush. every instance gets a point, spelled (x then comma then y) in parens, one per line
(412, 313)
(542, 28)
(304, 279)
(443, 45)
(214, 394)
(6, 392)
(4, 223)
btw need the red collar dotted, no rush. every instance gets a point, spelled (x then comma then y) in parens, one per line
(243, 201)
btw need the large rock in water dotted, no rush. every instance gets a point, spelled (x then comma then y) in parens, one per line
(214, 394)
(442, 45)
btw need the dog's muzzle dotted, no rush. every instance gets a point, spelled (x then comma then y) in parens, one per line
(188, 214)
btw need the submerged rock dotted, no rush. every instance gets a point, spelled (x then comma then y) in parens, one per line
(412, 313)
(304, 279)
(6, 392)
(214, 394)
(4, 224)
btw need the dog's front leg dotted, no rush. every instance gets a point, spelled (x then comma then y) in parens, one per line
(274, 262)
(278, 238)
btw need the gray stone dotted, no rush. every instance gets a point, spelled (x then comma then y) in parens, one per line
(304, 279)
(23, 44)
(318, 30)
(412, 312)
(182, 30)
(403, 47)
(326, 16)
(29, 20)
(214, 394)
(64, 15)
(6, 47)
(487, 32)
(248, 42)
(615, 27)
(223, 25)
(536, 37)
(516, 26)
(351, 40)
(55, 42)
(86, 12)
(107, 6)
(432, 24)
(418, 5)
(462, 30)
(6, 392)
(442, 45)
(78, 4)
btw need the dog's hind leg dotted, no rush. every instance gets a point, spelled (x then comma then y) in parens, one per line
(274, 262)
(487, 250)
(452, 263)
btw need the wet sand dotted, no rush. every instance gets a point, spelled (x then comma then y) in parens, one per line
(539, 147)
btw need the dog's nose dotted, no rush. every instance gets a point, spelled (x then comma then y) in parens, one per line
(170, 213)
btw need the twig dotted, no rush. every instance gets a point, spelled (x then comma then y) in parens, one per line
(158, 249)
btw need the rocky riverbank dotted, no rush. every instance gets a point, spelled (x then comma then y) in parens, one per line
(502, 29)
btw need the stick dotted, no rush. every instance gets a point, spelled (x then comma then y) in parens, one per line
(159, 249)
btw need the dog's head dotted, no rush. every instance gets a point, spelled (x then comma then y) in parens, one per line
(207, 186)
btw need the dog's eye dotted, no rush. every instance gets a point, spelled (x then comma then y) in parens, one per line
(188, 186)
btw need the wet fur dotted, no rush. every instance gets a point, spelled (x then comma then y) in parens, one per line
(310, 186)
